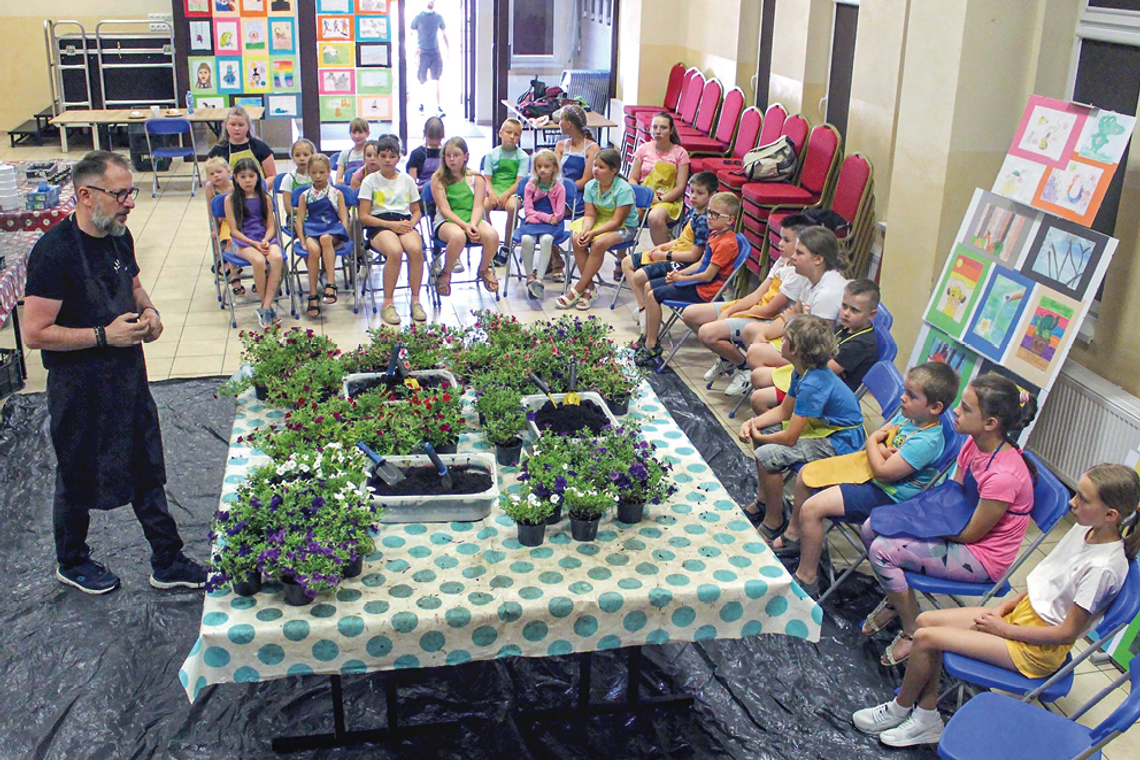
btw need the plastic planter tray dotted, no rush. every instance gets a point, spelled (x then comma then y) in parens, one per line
(445, 508)
(535, 402)
(419, 374)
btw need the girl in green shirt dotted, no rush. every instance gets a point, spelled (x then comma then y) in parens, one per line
(458, 194)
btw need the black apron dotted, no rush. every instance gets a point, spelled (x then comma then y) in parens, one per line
(104, 423)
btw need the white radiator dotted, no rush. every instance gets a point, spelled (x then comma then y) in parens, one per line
(1086, 420)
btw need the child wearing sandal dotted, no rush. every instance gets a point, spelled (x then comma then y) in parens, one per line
(992, 412)
(1032, 633)
(219, 181)
(545, 203)
(322, 223)
(390, 212)
(902, 455)
(458, 194)
(576, 160)
(252, 226)
(610, 219)
(819, 418)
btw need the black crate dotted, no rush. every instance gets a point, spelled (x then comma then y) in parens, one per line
(11, 379)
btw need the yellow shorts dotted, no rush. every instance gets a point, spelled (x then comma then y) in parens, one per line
(1033, 660)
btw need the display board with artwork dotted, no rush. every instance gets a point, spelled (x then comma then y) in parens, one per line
(354, 59)
(244, 52)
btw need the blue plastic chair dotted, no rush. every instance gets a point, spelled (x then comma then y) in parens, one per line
(952, 442)
(1119, 614)
(744, 250)
(884, 383)
(438, 249)
(888, 348)
(345, 252)
(564, 234)
(227, 255)
(168, 126)
(371, 258)
(1050, 504)
(883, 319)
(996, 727)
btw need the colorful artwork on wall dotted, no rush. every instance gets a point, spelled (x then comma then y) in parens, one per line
(937, 346)
(998, 313)
(354, 59)
(958, 292)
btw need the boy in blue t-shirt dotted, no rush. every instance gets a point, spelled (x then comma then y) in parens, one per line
(818, 418)
(902, 454)
(503, 167)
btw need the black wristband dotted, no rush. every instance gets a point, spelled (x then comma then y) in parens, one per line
(669, 256)
(100, 337)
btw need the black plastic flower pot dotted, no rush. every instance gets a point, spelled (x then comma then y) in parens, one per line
(508, 456)
(294, 593)
(247, 585)
(261, 392)
(619, 405)
(531, 535)
(584, 530)
(354, 568)
(555, 516)
(631, 512)
(447, 448)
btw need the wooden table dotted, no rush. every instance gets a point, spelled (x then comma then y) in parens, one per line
(116, 116)
(594, 121)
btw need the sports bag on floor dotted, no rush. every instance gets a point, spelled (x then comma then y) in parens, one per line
(774, 162)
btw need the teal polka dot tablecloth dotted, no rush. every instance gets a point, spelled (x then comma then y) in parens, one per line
(447, 593)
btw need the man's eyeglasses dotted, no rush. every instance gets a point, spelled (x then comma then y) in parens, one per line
(120, 196)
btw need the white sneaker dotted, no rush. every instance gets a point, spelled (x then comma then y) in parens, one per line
(875, 720)
(740, 383)
(914, 730)
(719, 368)
(639, 315)
(458, 266)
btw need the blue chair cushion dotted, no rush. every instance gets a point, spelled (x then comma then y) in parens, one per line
(995, 726)
(995, 677)
(172, 152)
(932, 585)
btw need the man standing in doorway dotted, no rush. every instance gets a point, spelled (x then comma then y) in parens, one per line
(429, 27)
(87, 312)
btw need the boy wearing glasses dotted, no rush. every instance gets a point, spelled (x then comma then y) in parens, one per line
(697, 283)
(87, 312)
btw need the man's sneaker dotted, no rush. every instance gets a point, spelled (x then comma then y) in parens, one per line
(719, 369)
(914, 730)
(89, 577)
(875, 720)
(501, 255)
(181, 573)
(740, 383)
(647, 357)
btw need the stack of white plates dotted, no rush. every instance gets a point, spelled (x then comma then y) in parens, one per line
(9, 194)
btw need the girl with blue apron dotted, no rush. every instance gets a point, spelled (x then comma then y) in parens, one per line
(322, 214)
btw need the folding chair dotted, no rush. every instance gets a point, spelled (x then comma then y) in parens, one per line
(997, 727)
(345, 252)
(883, 320)
(643, 199)
(371, 258)
(747, 133)
(719, 142)
(227, 255)
(168, 126)
(676, 307)
(438, 251)
(1119, 614)
(516, 239)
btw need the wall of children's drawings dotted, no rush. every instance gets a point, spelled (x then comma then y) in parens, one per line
(354, 59)
(244, 52)
(1025, 268)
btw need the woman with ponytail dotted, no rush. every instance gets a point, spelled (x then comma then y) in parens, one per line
(1032, 633)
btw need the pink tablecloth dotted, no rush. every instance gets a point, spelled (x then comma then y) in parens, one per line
(14, 221)
(14, 247)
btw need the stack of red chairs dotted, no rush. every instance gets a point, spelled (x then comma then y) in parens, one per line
(729, 178)
(720, 142)
(678, 79)
(698, 107)
(747, 133)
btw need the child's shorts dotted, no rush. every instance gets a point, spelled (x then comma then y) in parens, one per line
(658, 269)
(371, 232)
(775, 457)
(860, 498)
(736, 327)
(626, 235)
(1033, 660)
(664, 291)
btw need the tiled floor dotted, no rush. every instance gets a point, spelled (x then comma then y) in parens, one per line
(172, 245)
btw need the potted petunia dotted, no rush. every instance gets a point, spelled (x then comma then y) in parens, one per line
(586, 502)
(553, 460)
(530, 513)
(635, 470)
(614, 381)
(501, 410)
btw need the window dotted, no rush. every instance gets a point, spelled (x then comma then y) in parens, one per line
(541, 32)
(842, 60)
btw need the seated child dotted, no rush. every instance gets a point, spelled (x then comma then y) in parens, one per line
(253, 228)
(903, 456)
(545, 204)
(424, 160)
(459, 195)
(322, 225)
(371, 164)
(728, 329)
(708, 275)
(503, 167)
(302, 152)
(220, 182)
(818, 418)
(351, 159)
(858, 347)
(639, 268)
(390, 211)
(1032, 632)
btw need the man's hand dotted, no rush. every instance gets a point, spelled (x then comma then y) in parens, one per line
(153, 320)
(127, 330)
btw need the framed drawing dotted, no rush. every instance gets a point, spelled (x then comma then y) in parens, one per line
(227, 36)
(282, 36)
(1019, 178)
(374, 82)
(334, 28)
(283, 7)
(371, 6)
(372, 28)
(1044, 336)
(1049, 131)
(197, 8)
(334, 6)
(209, 101)
(284, 73)
(336, 54)
(254, 36)
(252, 8)
(256, 74)
(278, 106)
(1064, 256)
(228, 72)
(337, 108)
(958, 291)
(336, 81)
(1076, 191)
(374, 54)
(999, 228)
(375, 107)
(201, 37)
(203, 74)
(937, 346)
(249, 101)
(999, 313)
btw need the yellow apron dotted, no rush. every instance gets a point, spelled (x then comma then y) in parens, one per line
(247, 153)
(849, 468)
(664, 178)
(603, 215)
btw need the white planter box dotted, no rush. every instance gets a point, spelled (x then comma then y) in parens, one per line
(445, 508)
(437, 375)
(535, 402)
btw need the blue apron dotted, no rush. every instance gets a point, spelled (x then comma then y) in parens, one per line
(322, 217)
(538, 229)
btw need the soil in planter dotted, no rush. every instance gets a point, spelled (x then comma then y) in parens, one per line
(570, 419)
(425, 481)
(357, 387)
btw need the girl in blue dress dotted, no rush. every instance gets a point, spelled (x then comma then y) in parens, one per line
(322, 222)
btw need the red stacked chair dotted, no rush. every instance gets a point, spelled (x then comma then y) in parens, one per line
(773, 126)
(809, 189)
(690, 104)
(719, 143)
(672, 105)
(707, 109)
(747, 133)
(672, 93)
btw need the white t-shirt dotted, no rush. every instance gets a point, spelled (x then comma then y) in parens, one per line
(390, 196)
(1077, 572)
(290, 181)
(825, 297)
(792, 283)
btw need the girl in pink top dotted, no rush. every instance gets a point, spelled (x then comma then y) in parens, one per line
(662, 165)
(992, 412)
(545, 203)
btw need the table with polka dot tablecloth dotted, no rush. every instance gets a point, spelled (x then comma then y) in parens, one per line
(447, 593)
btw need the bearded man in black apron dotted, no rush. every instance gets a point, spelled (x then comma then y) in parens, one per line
(86, 310)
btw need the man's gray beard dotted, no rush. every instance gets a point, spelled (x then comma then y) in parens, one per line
(107, 223)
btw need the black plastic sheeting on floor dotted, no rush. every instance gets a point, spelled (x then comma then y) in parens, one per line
(96, 677)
